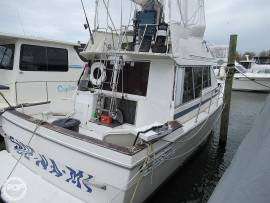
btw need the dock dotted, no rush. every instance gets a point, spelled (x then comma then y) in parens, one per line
(248, 177)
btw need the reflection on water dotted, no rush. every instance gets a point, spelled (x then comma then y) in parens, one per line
(195, 182)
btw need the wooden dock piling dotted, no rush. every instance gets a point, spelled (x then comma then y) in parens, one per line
(228, 90)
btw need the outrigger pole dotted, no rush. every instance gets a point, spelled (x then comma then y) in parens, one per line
(88, 25)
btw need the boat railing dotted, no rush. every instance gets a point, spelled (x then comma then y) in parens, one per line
(46, 83)
(203, 95)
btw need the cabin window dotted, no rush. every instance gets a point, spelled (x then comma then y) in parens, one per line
(206, 77)
(40, 58)
(188, 85)
(195, 80)
(57, 59)
(135, 78)
(198, 81)
(6, 56)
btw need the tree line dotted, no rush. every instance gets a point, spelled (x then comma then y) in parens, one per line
(242, 56)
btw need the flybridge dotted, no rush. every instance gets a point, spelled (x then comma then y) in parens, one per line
(149, 28)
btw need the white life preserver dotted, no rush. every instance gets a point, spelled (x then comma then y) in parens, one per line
(102, 76)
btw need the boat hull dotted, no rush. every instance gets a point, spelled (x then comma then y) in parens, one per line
(80, 168)
(255, 84)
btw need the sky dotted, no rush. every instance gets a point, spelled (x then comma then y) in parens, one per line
(64, 19)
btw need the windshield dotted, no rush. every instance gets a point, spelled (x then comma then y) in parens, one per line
(246, 64)
(263, 61)
(6, 56)
(240, 69)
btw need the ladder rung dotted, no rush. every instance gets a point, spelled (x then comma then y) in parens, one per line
(109, 83)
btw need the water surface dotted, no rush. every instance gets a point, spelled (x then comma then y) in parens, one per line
(195, 182)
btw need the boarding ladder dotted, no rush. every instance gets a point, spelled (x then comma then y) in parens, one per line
(116, 70)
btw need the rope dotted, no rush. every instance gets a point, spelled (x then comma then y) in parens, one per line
(18, 161)
(254, 80)
(140, 171)
(146, 161)
(2, 95)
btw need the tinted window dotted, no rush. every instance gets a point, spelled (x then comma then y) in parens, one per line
(7, 56)
(196, 79)
(262, 60)
(39, 58)
(188, 85)
(206, 77)
(135, 78)
(57, 59)
(33, 58)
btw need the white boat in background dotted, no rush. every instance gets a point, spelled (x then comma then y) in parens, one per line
(147, 101)
(220, 53)
(36, 69)
(253, 75)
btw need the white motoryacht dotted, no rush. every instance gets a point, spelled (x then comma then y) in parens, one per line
(253, 75)
(220, 52)
(147, 101)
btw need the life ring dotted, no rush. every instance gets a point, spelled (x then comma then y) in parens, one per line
(98, 73)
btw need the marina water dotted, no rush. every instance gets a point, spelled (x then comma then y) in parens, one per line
(195, 182)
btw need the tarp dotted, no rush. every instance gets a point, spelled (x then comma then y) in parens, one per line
(247, 180)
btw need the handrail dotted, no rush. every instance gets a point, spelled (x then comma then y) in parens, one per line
(210, 102)
(199, 109)
(142, 37)
(46, 84)
(201, 100)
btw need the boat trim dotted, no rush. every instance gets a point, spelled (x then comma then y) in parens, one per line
(74, 135)
(4, 87)
(101, 143)
(186, 111)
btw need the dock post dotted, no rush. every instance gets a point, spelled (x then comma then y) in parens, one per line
(228, 90)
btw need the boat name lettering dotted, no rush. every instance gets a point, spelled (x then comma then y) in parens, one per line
(66, 88)
(68, 174)
(156, 161)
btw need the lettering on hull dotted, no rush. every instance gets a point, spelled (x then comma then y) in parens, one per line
(77, 178)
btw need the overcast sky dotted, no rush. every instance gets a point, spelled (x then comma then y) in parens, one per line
(63, 19)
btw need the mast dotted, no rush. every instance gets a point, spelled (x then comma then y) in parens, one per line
(186, 13)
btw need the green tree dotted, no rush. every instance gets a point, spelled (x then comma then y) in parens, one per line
(263, 53)
(238, 56)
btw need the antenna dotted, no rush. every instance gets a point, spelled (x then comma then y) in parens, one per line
(87, 24)
(96, 15)
(20, 20)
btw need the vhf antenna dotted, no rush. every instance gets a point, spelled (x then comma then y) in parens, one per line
(87, 25)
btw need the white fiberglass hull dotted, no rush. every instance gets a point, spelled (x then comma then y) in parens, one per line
(252, 83)
(97, 174)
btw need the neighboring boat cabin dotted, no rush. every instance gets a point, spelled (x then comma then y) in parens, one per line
(36, 69)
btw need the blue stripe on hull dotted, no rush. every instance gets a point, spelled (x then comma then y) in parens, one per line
(76, 66)
(186, 111)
